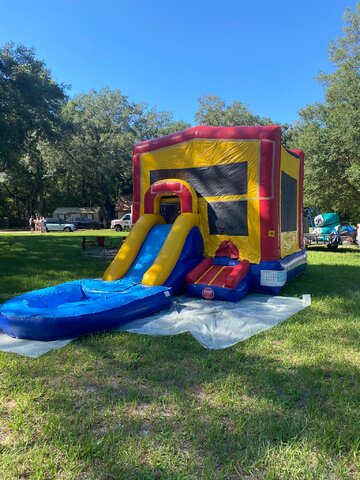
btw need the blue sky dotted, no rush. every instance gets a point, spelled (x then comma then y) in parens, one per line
(265, 54)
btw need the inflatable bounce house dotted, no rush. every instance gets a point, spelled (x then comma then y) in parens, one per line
(217, 213)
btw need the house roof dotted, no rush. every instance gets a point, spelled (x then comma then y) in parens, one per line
(124, 203)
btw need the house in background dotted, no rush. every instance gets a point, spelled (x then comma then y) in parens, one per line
(123, 205)
(90, 212)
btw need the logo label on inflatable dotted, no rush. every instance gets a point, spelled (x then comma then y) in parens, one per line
(273, 278)
(208, 293)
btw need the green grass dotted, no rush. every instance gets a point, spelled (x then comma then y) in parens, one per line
(282, 405)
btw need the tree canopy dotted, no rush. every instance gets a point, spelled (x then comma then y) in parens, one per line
(30, 101)
(30, 105)
(329, 132)
(213, 110)
(60, 151)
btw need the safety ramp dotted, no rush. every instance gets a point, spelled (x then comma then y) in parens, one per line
(219, 279)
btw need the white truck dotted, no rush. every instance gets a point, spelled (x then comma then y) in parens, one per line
(122, 224)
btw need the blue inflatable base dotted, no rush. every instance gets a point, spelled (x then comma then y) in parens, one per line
(271, 276)
(219, 293)
(70, 310)
(268, 277)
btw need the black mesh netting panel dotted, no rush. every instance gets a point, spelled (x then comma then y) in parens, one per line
(288, 203)
(228, 218)
(215, 181)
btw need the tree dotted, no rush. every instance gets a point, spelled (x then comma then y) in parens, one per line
(152, 124)
(214, 111)
(329, 132)
(93, 166)
(30, 106)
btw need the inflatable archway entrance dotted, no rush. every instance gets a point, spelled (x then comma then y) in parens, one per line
(180, 188)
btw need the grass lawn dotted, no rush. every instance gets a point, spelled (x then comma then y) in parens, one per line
(284, 404)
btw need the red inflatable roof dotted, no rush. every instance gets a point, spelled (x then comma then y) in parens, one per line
(272, 132)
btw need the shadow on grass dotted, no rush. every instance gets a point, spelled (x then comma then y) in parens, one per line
(225, 409)
(327, 280)
(341, 249)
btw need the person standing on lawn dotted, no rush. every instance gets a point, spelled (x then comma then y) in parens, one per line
(37, 224)
(42, 225)
(32, 224)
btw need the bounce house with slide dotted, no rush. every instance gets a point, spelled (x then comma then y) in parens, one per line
(217, 213)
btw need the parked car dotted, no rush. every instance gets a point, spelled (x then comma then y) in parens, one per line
(123, 223)
(84, 222)
(58, 225)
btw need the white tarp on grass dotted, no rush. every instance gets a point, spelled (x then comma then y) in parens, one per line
(214, 324)
(29, 348)
(218, 324)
